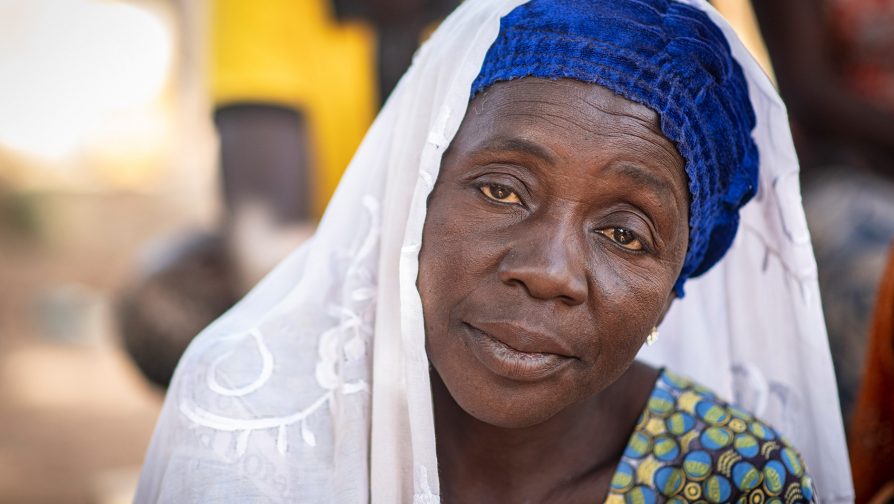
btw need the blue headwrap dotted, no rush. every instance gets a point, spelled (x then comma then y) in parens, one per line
(667, 56)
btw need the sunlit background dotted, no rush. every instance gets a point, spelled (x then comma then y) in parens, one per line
(105, 144)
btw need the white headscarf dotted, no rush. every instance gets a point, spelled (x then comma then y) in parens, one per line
(315, 387)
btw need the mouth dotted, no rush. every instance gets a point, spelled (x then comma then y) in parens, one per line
(519, 362)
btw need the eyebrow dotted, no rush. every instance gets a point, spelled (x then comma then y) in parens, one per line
(637, 173)
(645, 177)
(515, 144)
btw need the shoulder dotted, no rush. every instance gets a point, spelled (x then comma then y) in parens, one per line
(692, 445)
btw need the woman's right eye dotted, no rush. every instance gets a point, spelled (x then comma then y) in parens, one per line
(500, 193)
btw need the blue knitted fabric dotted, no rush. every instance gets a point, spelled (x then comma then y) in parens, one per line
(669, 57)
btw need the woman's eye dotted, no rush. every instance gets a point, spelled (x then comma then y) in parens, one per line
(500, 193)
(623, 237)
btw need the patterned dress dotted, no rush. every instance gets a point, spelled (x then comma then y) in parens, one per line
(690, 446)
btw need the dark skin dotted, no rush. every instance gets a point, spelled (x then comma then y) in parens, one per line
(555, 232)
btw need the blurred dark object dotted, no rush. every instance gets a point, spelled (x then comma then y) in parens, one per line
(393, 12)
(18, 214)
(399, 26)
(186, 288)
(265, 158)
(872, 427)
(835, 64)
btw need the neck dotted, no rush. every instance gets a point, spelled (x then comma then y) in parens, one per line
(574, 451)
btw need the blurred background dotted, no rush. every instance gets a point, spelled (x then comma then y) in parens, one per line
(103, 146)
(157, 157)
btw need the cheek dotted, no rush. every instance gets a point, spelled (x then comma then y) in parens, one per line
(458, 251)
(633, 291)
(450, 262)
(431, 275)
(627, 301)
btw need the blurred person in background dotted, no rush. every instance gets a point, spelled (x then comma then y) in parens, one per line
(834, 60)
(871, 436)
(294, 86)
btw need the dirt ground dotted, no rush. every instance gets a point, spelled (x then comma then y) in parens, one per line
(75, 414)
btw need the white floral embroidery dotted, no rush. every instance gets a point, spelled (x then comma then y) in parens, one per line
(340, 345)
(264, 375)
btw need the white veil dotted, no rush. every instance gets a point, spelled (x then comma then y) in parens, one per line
(315, 387)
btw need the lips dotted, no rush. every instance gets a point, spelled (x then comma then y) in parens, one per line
(516, 353)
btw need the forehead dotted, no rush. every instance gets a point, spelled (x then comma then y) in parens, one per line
(567, 120)
(561, 92)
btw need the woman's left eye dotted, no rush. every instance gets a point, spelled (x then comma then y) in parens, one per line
(623, 237)
(500, 193)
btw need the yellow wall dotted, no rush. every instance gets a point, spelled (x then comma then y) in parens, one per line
(294, 53)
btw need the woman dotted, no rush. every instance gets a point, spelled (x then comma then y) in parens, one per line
(597, 160)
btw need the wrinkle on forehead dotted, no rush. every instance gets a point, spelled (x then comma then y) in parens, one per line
(581, 97)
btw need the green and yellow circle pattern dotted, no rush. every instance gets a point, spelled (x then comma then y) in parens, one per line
(689, 446)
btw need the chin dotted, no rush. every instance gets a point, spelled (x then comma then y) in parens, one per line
(511, 418)
(497, 402)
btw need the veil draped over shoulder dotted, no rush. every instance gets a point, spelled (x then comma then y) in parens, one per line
(315, 387)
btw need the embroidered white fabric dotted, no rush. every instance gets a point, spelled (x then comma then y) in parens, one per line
(315, 387)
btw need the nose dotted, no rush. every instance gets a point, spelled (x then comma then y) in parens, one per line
(549, 263)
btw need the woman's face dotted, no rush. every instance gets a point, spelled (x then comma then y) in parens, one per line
(554, 235)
